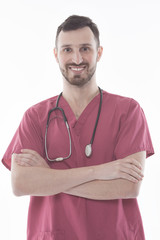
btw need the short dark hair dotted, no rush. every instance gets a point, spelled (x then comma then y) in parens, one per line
(75, 22)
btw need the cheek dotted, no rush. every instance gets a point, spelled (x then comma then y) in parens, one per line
(92, 58)
(92, 61)
(63, 61)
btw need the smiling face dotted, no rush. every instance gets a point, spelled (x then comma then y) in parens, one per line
(77, 54)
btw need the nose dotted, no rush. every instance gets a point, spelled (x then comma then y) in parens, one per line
(77, 57)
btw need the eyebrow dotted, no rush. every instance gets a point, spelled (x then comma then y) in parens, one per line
(82, 45)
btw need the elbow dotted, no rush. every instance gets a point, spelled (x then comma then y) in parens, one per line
(18, 188)
(17, 193)
(134, 193)
(17, 180)
(134, 190)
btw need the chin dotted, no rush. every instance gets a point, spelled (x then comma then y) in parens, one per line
(78, 82)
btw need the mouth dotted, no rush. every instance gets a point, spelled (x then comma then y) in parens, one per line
(77, 69)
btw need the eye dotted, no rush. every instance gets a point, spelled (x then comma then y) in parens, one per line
(85, 49)
(67, 50)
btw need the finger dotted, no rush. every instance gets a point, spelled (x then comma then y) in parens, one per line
(129, 178)
(132, 173)
(32, 160)
(30, 151)
(134, 162)
(21, 162)
(28, 157)
(134, 168)
(139, 171)
(24, 158)
(14, 156)
(33, 154)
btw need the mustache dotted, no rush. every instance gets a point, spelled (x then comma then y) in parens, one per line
(77, 65)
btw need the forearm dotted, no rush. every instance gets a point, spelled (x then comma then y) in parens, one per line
(39, 181)
(31, 175)
(106, 189)
(111, 189)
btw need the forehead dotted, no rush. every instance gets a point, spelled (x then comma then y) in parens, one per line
(76, 37)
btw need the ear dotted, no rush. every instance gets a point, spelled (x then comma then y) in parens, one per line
(55, 51)
(99, 54)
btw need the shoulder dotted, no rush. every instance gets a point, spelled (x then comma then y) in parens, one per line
(120, 107)
(119, 102)
(40, 110)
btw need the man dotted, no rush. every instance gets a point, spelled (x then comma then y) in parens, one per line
(79, 192)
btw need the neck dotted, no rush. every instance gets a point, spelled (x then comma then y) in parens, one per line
(79, 97)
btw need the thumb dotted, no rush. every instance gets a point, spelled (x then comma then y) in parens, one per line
(14, 156)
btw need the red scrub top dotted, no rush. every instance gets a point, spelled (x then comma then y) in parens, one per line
(122, 130)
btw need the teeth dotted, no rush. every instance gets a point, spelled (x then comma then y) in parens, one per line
(77, 69)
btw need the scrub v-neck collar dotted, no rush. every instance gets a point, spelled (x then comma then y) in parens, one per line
(71, 118)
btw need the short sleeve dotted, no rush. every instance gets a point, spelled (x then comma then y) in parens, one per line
(133, 133)
(27, 136)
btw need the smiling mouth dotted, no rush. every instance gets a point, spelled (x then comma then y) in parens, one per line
(76, 69)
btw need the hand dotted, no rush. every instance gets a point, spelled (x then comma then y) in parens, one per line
(30, 158)
(127, 168)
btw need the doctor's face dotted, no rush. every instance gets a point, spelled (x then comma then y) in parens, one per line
(77, 55)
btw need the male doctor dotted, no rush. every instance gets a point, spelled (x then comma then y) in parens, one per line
(85, 196)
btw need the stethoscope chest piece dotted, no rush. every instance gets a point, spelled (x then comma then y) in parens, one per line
(88, 150)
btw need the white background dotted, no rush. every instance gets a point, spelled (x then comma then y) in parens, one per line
(130, 66)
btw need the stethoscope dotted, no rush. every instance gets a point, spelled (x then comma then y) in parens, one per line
(88, 148)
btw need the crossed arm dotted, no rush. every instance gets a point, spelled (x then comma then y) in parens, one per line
(31, 175)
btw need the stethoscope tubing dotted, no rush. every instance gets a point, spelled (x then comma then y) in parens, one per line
(88, 149)
(98, 115)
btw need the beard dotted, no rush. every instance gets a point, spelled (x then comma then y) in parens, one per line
(78, 79)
